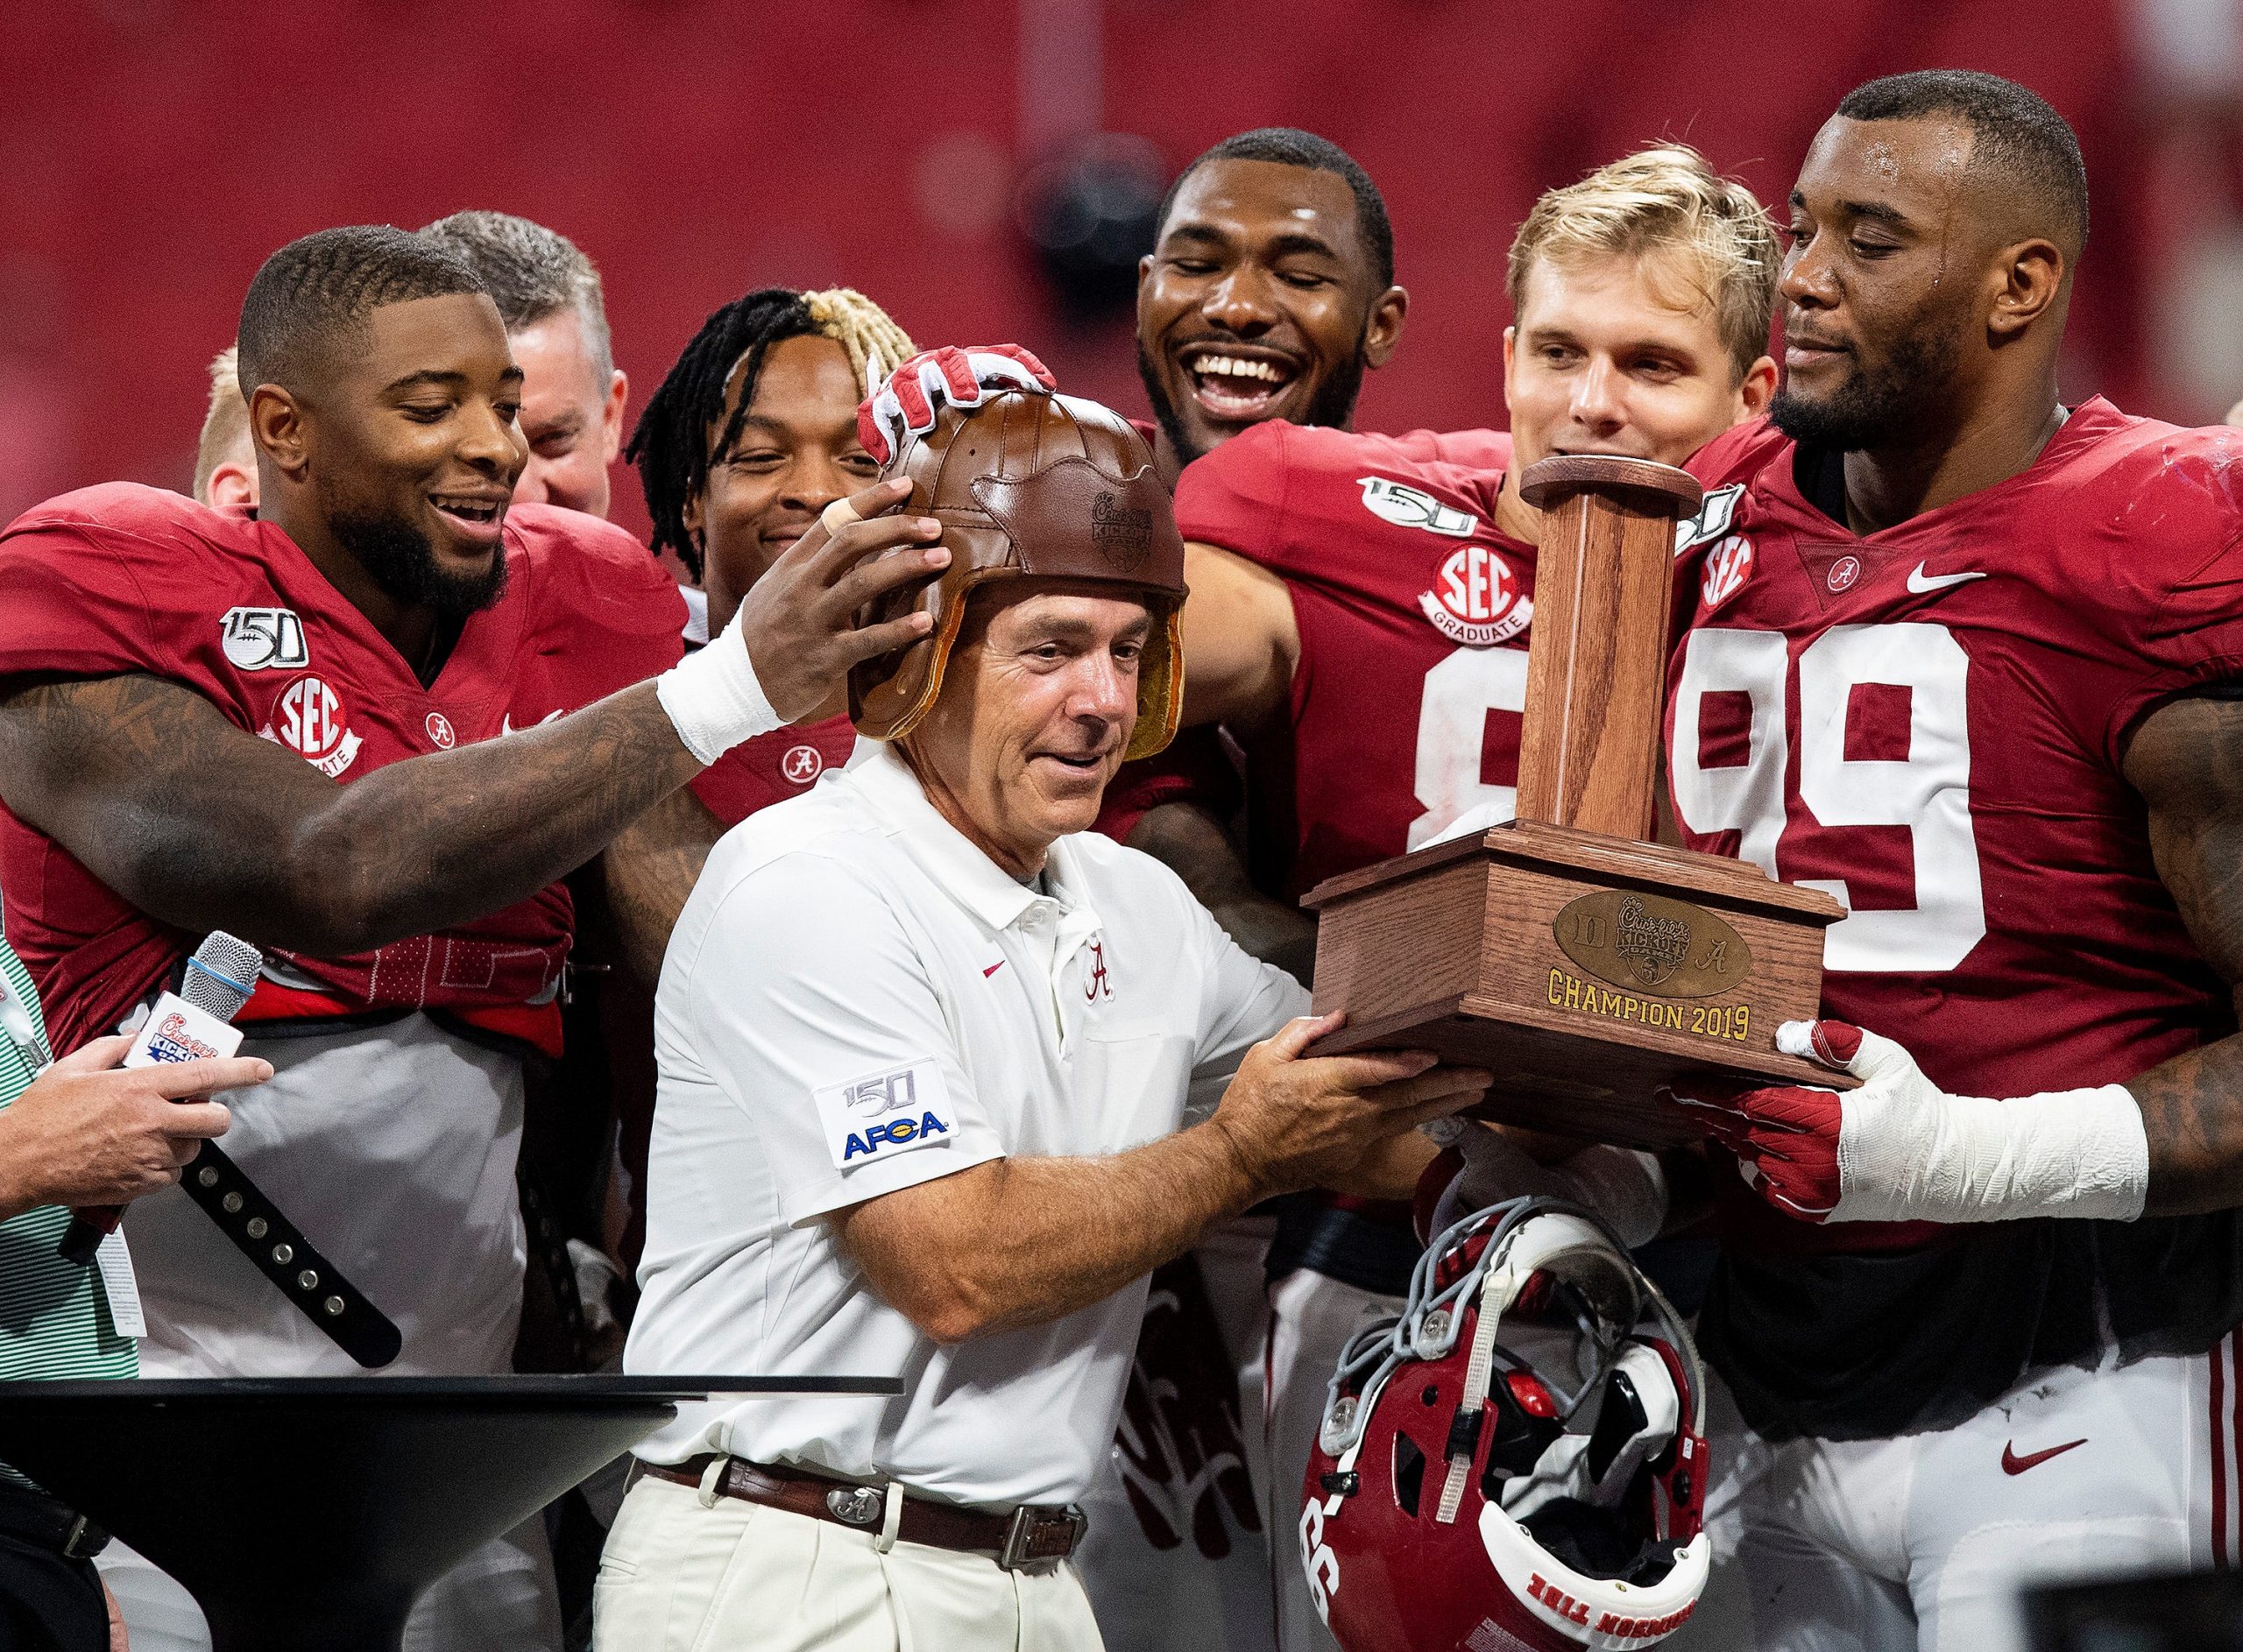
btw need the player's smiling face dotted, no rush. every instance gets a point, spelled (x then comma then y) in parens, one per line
(796, 453)
(1879, 290)
(1037, 704)
(1259, 302)
(1621, 354)
(415, 449)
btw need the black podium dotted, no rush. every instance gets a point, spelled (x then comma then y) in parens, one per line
(311, 1512)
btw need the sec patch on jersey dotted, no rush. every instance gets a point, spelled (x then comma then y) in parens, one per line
(884, 1113)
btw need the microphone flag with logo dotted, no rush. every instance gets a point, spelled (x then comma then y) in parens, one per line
(192, 1024)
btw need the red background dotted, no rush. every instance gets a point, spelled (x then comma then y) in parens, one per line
(155, 152)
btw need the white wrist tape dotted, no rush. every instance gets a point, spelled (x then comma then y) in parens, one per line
(1626, 1188)
(2070, 1152)
(713, 698)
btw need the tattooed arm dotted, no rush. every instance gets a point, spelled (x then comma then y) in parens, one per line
(202, 824)
(649, 870)
(2187, 760)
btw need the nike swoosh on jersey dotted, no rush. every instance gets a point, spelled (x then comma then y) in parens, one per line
(1922, 583)
(2012, 1463)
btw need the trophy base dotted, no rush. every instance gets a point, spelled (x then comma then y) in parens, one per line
(1584, 970)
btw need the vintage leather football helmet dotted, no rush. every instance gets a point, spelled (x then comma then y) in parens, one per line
(1039, 486)
(1518, 1463)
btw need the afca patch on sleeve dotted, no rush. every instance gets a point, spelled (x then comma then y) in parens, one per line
(886, 1112)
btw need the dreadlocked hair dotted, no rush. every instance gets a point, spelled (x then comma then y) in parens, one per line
(670, 444)
(874, 344)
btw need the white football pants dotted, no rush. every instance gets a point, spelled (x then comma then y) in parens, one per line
(1926, 1539)
(393, 1148)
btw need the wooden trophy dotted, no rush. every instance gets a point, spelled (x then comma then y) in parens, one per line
(1581, 964)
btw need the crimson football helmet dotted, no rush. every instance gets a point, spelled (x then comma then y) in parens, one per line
(1518, 1463)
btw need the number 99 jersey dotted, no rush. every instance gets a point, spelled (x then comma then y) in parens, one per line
(1414, 613)
(1928, 722)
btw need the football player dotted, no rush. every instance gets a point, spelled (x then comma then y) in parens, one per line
(749, 437)
(286, 724)
(573, 394)
(1360, 613)
(1968, 656)
(1268, 294)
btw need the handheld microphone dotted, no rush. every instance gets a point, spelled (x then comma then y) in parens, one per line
(191, 1025)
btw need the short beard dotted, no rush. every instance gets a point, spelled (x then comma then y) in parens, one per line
(1333, 405)
(1871, 410)
(399, 558)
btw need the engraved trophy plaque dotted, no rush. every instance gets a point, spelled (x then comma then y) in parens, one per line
(1581, 964)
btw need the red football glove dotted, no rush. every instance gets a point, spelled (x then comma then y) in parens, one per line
(1901, 1149)
(1786, 1137)
(905, 405)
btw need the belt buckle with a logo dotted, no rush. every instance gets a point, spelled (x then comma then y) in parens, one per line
(1041, 1537)
(854, 1505)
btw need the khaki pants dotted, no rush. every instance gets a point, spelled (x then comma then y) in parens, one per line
(680, 1576)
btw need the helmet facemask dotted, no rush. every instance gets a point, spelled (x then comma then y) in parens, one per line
(1529, 1429)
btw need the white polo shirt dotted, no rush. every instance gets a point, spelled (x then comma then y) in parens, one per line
(857, 999)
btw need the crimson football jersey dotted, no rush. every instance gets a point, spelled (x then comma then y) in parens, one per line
(1928, 723)
(1414, 613)
(123, 578)
(773, 768)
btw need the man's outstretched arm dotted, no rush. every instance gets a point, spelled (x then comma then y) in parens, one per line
(202, 824)
(1023, 1241)
(1241, 643)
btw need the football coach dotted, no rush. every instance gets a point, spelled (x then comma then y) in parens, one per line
(926, 1042)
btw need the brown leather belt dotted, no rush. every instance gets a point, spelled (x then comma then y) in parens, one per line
(1033, 1535)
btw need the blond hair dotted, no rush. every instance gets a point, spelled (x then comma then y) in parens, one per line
(867, 334)
(225, 426)
(1669, 201)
